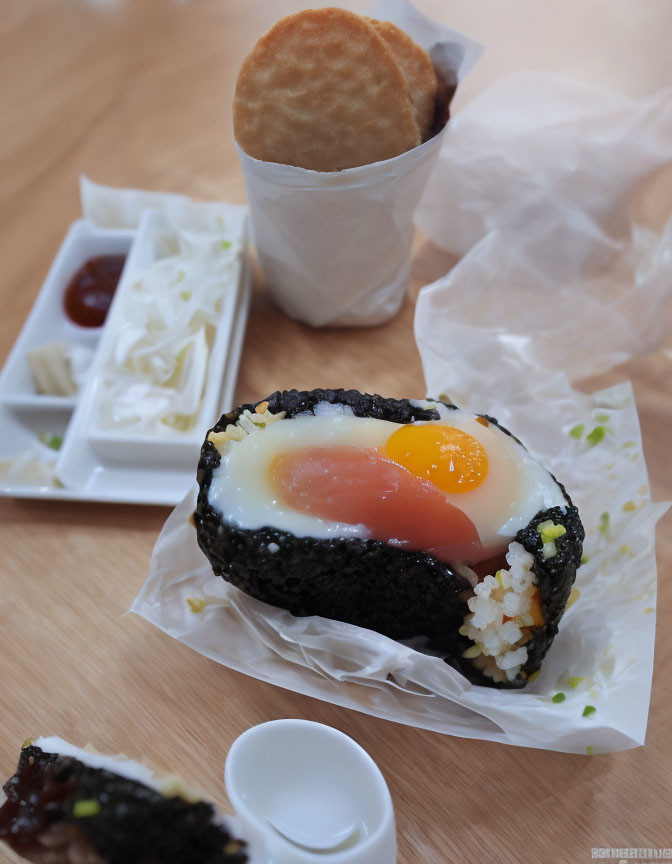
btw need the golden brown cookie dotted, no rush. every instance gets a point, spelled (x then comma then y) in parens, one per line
(416, 65)
(322, 90)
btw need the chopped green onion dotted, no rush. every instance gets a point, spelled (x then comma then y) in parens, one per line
(577, 431)
(86, 807)
(549, 531)
(590, 751)
(588, 710)
(574, 681)
(225, 244)
(558, 698)
(534, 675)
(54, 442)
(596, 435)
(629, 505)
(603, 527)
(585, 559)
(602, 418)
(549, 550)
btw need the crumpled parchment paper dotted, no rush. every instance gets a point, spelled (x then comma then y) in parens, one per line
(526, 311)
(335, 247)
(114, 207)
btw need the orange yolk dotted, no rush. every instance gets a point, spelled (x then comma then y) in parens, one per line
(356, 485)
(451, 459)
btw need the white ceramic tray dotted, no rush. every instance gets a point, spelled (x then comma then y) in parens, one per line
(117, 471)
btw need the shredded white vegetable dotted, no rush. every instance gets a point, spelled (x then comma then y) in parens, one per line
(33, 466)
(154, 376)
(59, 369)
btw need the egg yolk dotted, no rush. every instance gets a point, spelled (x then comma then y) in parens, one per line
(451, 459)
(356, 485)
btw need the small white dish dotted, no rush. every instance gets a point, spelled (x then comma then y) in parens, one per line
(94, 460)
(305, 793)
(47, 322)
(79, 472)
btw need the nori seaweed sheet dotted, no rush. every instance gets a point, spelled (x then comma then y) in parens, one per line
(134, 824)
(555, 576)
(399, 593)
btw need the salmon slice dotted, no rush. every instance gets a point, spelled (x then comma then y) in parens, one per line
(358, 486)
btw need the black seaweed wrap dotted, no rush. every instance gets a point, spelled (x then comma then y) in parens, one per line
(399, 593)
(132, 822)
(555, 576)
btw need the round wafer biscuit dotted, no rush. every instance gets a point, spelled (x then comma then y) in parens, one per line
(416, 65)
(322, 90)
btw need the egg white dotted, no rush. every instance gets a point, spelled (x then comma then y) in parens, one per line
(515, 489)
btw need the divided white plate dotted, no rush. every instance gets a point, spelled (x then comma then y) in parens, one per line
(94, 466)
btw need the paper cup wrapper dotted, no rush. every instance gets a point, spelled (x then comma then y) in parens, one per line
(335, 247)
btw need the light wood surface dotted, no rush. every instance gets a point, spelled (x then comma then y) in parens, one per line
(138, 94)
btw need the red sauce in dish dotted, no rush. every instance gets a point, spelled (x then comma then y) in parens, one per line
(90, 291)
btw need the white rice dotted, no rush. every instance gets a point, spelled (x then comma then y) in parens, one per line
(499, 648)
(246, 424)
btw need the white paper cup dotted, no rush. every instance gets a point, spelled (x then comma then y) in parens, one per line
(335, 247)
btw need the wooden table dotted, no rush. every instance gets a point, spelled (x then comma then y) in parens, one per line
(138, 94)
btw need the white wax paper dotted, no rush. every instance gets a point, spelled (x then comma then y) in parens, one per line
(335, 247)
(560, 282)
(112, 207)
(539, 155)
(543, 173)
(503, 333)
(606, 638)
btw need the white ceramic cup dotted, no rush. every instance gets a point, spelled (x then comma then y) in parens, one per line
(305, 793)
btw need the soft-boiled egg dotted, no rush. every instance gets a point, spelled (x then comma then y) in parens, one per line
(457, 487)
